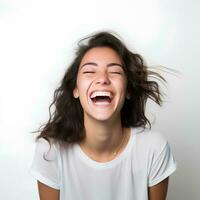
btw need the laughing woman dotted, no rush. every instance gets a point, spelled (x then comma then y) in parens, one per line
(96, 144)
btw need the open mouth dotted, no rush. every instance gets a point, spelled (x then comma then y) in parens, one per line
(101, 97)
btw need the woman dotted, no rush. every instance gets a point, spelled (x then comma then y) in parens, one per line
(96, 144)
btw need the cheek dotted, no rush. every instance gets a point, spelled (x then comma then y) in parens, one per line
(83, 85)
(121, 84)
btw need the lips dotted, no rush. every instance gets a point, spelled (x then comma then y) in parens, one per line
(101, 97)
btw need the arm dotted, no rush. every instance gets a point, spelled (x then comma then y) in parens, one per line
(159, 191)
(48, 193)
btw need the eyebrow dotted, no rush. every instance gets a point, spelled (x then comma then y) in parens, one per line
(108, 65)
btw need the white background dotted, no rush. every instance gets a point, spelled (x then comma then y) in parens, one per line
(37, 43)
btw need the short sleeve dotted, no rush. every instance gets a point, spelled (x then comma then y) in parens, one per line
(44, 166)
(163, 165)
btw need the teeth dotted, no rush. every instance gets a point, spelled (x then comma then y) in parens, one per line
(100, 93)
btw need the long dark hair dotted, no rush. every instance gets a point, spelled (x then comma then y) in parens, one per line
(66, 122)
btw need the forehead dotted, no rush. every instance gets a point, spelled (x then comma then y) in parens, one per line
(101, 54)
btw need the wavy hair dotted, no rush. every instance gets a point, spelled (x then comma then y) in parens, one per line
(66, 122)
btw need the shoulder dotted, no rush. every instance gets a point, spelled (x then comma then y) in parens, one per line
(149, 139)
(48, 148)
(152, 153)
(53, 145)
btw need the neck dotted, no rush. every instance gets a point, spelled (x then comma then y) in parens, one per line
(102, 139)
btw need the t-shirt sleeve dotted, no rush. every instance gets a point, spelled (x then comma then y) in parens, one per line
(162, 166)
(44, 166)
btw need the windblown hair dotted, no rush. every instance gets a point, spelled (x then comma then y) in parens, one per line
(66, 122)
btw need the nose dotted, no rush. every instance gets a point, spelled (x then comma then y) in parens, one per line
(103, 78)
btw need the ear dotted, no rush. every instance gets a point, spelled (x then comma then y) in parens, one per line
(75, 93)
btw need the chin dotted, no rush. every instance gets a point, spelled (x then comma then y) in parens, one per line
(102, 117)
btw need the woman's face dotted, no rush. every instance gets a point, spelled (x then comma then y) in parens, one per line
(101, 84)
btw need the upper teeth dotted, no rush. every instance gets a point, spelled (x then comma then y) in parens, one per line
(100, 93)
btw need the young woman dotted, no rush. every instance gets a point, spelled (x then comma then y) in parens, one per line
(96, 144)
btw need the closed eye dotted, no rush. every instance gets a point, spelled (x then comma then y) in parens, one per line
(115, 72)
(88, 72)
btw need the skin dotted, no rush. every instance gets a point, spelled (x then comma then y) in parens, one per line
(159, 191)
(47, 193)
(101, 69)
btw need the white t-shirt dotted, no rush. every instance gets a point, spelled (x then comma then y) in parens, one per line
(145, 161)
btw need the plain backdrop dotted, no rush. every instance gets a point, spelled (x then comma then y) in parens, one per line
(37, 43)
